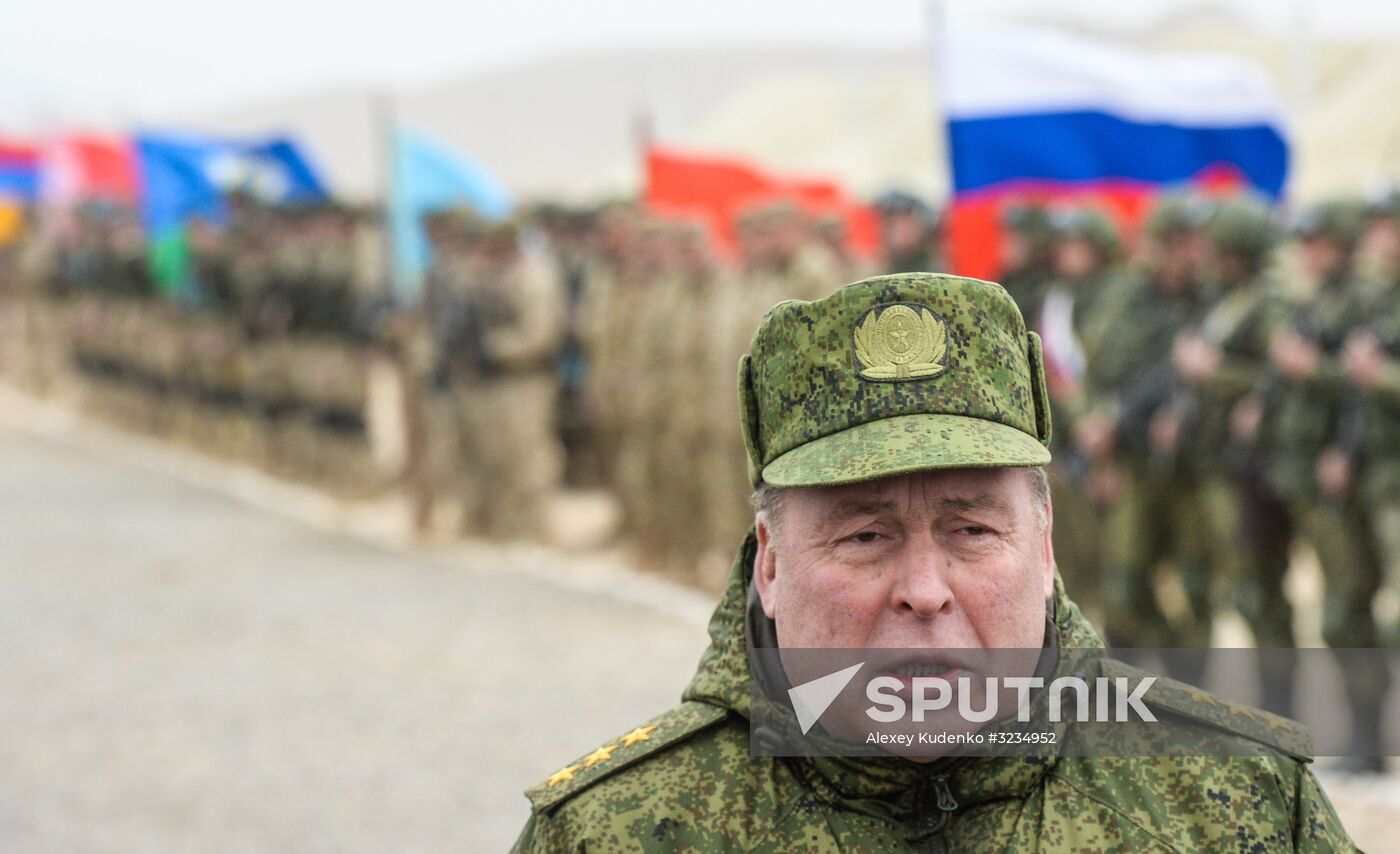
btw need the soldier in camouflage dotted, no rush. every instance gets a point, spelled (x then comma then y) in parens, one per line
(1085, 253)
(1027, 265)
(1157, 516)
(1224, 358)
(1371, 364)
(1371, 360)
(896, 432)
(1316, 440)
(910, 232)
(511, 407)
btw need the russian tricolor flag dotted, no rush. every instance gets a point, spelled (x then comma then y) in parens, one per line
(19, 171)
(1041, 114)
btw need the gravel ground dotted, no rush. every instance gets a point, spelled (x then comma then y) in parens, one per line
(185, 671)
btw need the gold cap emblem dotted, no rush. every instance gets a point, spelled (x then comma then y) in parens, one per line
(900, 342)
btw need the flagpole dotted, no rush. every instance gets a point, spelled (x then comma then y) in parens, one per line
(382, 121)
(936, 18)
(1302, 66)
(643, 137)
(413, 473)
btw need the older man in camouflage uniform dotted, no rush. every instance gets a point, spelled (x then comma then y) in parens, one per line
(897, 429)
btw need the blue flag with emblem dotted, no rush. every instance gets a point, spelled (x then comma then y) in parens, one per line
(187, 176)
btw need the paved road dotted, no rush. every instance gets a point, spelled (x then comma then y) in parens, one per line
(184, 672)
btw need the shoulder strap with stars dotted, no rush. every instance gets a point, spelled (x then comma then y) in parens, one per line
(1187, 701)
(627, 749)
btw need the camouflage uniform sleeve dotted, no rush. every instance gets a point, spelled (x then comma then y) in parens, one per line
(1388, 389)
(1110, 336)
(538, 837)
(1235, 376)
(1242, 372)
(1316, 825)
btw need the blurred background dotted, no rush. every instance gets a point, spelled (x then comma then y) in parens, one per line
(359, 363)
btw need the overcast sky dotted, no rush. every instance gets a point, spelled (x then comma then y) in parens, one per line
(119, 62)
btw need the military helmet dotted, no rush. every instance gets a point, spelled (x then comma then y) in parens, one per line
(1086, 224)
(1340, 220)
(1030, 221)
(1175, 215)
(900, 202)
(1243, 227)
(1383, 199)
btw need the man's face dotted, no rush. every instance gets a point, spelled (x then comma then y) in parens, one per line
(903, 231)
(1322, 256)
(1381, 241)
(939, 560)
(1076, 258)
(1173, 259)
(1015, 250)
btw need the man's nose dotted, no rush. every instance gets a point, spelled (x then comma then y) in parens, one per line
(921, 585)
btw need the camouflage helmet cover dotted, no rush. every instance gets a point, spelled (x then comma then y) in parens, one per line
(1243, 227)
(1340, 220)
(1031, 221)
(1175, 215)
(1086, 224)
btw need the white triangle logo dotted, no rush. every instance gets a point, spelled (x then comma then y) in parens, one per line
(811, 699)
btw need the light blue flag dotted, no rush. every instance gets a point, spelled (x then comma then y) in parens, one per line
(428, 177)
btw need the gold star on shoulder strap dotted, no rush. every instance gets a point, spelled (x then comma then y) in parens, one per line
(602, 754)
(641, 733)
(563, 774)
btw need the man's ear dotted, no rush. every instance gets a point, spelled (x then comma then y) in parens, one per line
(765, 565)
(1048, 548)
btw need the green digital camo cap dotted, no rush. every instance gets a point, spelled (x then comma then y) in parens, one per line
(892, 375)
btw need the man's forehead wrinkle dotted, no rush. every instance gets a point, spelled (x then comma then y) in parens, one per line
(974, 501)
(863, 506)
(918, 497)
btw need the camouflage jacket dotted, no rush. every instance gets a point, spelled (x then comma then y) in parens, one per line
(685, 781)
(1374, 414)
(1129, 374)
(1308, 415)
(1239, 323)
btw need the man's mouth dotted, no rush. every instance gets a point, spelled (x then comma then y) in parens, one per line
(924, 667)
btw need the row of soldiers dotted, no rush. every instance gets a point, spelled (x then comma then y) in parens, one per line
(246, 339)
(1218, 402)
(1220, 396)
(647, 321)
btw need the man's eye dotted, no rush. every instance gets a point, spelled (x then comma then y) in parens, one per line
(864, 537)
(974, 530)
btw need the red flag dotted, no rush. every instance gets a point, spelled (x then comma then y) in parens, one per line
(715, 190)
(84, 166)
